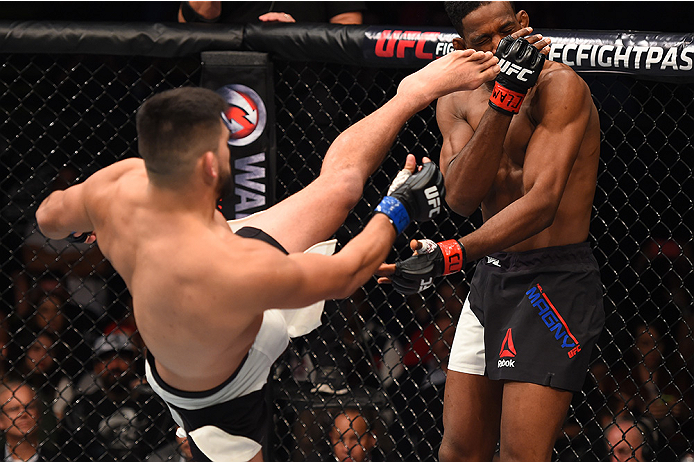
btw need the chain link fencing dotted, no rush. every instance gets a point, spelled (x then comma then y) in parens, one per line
(377, 355)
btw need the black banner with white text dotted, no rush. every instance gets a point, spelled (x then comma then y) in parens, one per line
(244, 79)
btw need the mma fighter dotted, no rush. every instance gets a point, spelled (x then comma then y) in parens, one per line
(209, 302)
(525, 149)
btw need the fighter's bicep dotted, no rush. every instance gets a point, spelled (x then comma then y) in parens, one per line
(298, 280)
(556, 140)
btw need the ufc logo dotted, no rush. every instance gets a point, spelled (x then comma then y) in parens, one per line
(509, 69)
(433, 199)
(425, 284)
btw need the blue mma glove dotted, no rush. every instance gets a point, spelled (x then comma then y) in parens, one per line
(418, 197)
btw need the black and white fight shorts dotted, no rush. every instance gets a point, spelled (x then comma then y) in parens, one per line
(228, 423)
(531, 317)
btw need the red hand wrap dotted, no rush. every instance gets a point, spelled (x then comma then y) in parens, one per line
(453, 256)
(505, 100)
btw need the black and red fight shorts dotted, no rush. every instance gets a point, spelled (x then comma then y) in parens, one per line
(532, 317)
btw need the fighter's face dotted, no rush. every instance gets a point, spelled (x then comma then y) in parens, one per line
(487, 25)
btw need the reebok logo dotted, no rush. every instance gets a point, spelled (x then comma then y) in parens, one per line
(510, 68)
(508, 350)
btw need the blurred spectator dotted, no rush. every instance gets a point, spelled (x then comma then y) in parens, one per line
(418, 396)
(351, 437)
(363, 356)
(176, 451)
(7, 355)
(375, 355)
(20, 421)
(447, 300)
(645, 389)
(627, 440)
(38, 362)
(246, 12)
(120, 419)
(55, 315)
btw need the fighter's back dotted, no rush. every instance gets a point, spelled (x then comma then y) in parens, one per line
(176, 264)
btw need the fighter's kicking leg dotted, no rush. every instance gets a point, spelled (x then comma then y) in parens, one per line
(316, 212)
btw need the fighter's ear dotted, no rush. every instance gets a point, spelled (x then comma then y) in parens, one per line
(523, 18)
(459, 43)
(210, 166)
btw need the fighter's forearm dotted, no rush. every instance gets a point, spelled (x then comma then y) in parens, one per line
(361, 257)
(47, 217)
(517, 222)
(56, 218)
(471, 172)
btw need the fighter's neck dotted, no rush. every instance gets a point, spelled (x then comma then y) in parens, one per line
(190, 199)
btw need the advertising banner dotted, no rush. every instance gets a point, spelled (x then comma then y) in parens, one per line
(244, 79)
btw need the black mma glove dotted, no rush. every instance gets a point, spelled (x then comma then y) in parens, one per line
(520, 64)
(434, 259)
(418, 198)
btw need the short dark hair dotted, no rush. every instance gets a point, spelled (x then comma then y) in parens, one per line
(175, 128)
(457, 11)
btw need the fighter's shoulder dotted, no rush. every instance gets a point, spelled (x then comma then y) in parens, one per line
(453, 106)
(560, 75)
(117, 170)
(456, 98)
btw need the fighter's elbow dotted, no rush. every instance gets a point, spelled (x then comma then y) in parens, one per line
(348, 287)
(460, 200)
(461, 205)
(49, 219)
(546, 212)
(44, 221)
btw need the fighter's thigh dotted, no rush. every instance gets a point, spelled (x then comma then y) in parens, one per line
(531, 419)
(311, 215)
(471, 414)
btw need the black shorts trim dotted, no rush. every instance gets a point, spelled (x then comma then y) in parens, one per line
(255, 233)
(190, 394)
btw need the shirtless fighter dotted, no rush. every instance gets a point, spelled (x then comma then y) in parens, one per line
(203, 295)
(525, 148)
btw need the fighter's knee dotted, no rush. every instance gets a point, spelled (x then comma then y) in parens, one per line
(456, 450)
(345, 190)
(448, 452)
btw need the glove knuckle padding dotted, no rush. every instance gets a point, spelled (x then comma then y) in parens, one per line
(422, 194)
(520, 63)
(504, 47)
